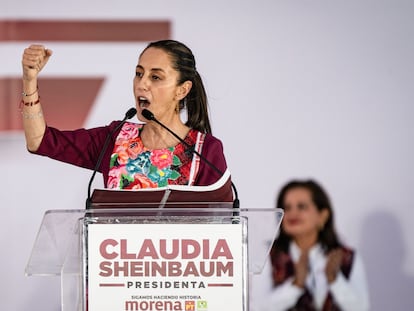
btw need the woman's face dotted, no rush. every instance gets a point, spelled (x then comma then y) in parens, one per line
(302, 218)
(155, 85)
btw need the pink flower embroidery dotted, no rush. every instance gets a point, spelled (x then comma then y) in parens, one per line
(113, 176)
(161, 158)
(127, 131)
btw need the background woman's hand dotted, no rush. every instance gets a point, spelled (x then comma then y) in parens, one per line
(301, 270)
(34, 59)
(333, 264)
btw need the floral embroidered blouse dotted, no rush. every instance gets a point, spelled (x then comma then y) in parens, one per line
(133, 166)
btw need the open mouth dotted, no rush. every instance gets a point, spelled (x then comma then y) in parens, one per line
(143, 102)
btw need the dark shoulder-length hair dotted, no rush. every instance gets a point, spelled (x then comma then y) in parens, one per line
(183, 61)
(327, 237)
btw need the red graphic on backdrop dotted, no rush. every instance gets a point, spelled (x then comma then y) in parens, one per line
(72, 98)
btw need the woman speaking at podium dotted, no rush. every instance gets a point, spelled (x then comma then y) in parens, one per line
(163, 151)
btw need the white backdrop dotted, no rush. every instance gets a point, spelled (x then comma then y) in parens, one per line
(319, 89)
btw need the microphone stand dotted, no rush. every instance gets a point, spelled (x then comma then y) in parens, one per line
(150, 116)
(129, 114)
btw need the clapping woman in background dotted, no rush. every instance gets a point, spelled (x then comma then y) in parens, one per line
(311, 268)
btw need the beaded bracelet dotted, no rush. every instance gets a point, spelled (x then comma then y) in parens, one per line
(25, 94)
(29, 104)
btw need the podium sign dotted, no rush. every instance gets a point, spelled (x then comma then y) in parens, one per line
(164, 266)
(148, 259)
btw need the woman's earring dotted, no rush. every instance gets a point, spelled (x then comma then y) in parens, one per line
(181, 104)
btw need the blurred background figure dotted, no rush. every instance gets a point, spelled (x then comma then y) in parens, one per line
(311, 268)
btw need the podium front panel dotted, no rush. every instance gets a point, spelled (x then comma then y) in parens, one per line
(166, 263)
(200, 259)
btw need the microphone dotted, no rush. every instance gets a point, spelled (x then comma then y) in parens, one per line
(128, 115)
(150, 116)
